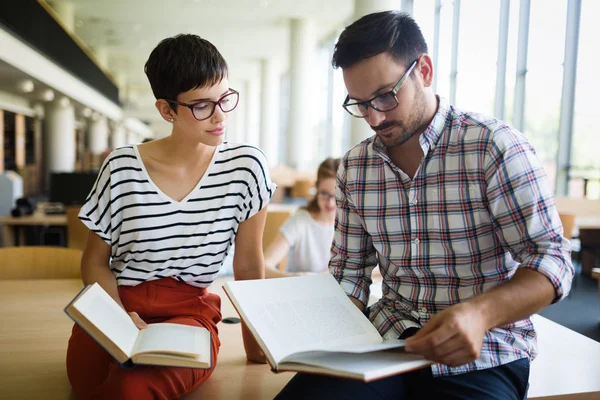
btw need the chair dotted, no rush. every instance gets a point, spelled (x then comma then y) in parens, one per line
(303, 188)
(39, 262)
(275, 220)
(568, 223)
(77, 232)
(596, 275)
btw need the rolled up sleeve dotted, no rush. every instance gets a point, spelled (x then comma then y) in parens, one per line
(522, 208)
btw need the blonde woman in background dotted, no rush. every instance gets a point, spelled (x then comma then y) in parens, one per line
(307, 235)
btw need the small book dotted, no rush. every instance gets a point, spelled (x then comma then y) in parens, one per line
(308, 324)
(166, 344)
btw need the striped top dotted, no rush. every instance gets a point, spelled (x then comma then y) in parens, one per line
(479, 207)
(153, 236)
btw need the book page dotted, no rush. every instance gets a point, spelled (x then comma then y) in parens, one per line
(365, 366)
(105, 314)
(301, 313)
(183, 340)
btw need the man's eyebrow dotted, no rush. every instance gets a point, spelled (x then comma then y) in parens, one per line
(377, 92)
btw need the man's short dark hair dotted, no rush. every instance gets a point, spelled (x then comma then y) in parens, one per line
(181, 63)
(388, 31)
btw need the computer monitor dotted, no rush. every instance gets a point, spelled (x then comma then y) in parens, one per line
(71, 188)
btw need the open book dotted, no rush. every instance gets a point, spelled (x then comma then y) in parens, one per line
(159, 344)
(308, 324)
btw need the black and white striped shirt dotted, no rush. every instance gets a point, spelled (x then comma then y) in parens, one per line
(153, 236)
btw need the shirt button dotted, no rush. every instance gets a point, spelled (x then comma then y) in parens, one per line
(414, 202)
(424, 310)
(417, 241)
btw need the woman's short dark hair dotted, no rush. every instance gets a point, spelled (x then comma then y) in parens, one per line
(394, 32)
(181, 63)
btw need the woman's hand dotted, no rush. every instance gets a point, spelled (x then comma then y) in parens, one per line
(139, 322)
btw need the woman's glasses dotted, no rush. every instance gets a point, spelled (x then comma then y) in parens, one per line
(206, 108)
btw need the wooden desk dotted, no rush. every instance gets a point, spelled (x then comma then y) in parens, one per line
(33, 340)
(34, 332)
(10, 226)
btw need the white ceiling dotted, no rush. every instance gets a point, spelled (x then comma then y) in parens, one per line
(245, 31)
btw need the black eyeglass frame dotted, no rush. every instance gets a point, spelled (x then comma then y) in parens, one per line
(214, 104)
(393, 92)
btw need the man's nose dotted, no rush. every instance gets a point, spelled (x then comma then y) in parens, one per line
(374, 117)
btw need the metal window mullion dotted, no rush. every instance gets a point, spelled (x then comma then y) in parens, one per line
(436, 41)
(521, 77)
(502, 56)
(567, 103)
(454, 57)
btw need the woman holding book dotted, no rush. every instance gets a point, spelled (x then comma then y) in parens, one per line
(307, 235)
(163, 216)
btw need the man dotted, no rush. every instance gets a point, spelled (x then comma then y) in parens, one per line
(457, 212)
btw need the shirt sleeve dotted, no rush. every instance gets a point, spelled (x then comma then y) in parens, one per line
(261, 187)
(522, 209)
(96, 211)
(353, 256)
(292, 226)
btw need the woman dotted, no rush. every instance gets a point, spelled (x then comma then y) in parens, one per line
(164, 216)
(307, 235)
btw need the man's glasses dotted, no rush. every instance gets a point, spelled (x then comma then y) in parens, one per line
(383, 102)
(206, 108)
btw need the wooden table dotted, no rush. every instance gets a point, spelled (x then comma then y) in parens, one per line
(10, 226)
(567, 366)
(34, 333)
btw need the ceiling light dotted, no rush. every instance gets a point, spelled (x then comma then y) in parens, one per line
(64, 102)
(26, 85)
(48, 95)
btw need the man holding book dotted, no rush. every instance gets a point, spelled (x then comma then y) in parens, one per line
(458, 214)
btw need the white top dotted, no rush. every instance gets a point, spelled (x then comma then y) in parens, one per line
(310, 243)
(153, 236)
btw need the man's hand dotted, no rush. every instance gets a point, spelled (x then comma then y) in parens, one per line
(453, 337)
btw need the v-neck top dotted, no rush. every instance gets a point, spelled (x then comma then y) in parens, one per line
(153, 236)
(163, 194)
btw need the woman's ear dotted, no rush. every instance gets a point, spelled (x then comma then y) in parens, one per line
(165, 110)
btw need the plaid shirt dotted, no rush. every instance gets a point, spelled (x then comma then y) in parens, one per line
(478, 208)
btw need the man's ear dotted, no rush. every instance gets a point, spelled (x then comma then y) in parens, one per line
(165, 110)
(425, 70)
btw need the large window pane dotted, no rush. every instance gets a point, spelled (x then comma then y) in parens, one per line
(586, 141)
(477, 55)
(424, 14)
(547, 31)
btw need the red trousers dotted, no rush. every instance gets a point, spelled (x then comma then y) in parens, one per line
(95, 374)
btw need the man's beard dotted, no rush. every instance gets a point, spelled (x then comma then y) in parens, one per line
(406, 129)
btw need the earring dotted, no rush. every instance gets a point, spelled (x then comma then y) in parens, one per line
(170, 119)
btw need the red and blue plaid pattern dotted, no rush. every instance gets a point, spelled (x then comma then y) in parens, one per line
(479, 207)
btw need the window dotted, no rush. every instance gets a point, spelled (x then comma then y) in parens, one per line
(477, 55)
(586, 142)
(547, 31)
